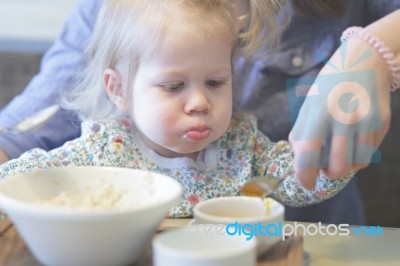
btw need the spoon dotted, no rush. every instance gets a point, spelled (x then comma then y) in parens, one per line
(260, 187)
(34, 121)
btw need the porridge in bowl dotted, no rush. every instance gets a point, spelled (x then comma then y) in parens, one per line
(108, 197)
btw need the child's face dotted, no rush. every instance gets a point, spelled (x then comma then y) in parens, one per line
(182, 95)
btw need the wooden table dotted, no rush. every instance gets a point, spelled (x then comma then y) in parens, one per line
(318, 250)
(13, 251)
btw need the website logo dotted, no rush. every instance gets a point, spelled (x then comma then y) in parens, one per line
(282, 230)
(285, 230)
(347, 102)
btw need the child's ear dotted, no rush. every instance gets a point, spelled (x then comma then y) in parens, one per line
(113, 86)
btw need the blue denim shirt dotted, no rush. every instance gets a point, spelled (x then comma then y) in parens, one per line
(58, 71)
(259, 87)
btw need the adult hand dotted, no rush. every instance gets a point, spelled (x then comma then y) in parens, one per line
(345, 114)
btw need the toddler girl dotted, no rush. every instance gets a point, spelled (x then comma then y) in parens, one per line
(157, 95)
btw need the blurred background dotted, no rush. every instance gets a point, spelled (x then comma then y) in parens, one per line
(28, 27)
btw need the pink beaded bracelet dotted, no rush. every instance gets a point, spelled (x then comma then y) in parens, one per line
(380, 47)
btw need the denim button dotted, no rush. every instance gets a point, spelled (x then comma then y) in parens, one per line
(297, 61)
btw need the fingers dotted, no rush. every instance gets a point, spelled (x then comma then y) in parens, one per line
(339, 163)
(364, 150)
(336, 158)
(350, 153)
(307, 154)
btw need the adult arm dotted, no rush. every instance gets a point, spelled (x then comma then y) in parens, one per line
(58, 71)
(345, 144)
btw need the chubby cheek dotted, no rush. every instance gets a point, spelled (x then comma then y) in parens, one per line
(155, 123)
(166, 122)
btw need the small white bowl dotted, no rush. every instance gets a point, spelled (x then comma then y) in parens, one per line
(87, 236)
(244, 215)
(196, 246)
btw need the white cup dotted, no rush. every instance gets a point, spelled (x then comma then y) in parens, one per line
(245, 216)
(195, 246)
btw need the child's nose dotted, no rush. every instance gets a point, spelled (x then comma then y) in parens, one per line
(197, 102)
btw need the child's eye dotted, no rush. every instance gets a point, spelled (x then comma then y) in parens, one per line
(173, 86)
(214, 83)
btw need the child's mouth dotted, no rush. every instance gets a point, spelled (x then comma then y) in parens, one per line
(198, 133)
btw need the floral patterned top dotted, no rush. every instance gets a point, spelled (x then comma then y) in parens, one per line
(221, 169)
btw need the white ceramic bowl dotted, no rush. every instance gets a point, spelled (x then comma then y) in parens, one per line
(199, 246)
(244, 215)
(87, 236)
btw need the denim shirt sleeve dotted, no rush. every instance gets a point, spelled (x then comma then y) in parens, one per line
(58, 70)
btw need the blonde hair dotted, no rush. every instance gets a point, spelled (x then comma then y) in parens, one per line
(126, 28)
(261, 25)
